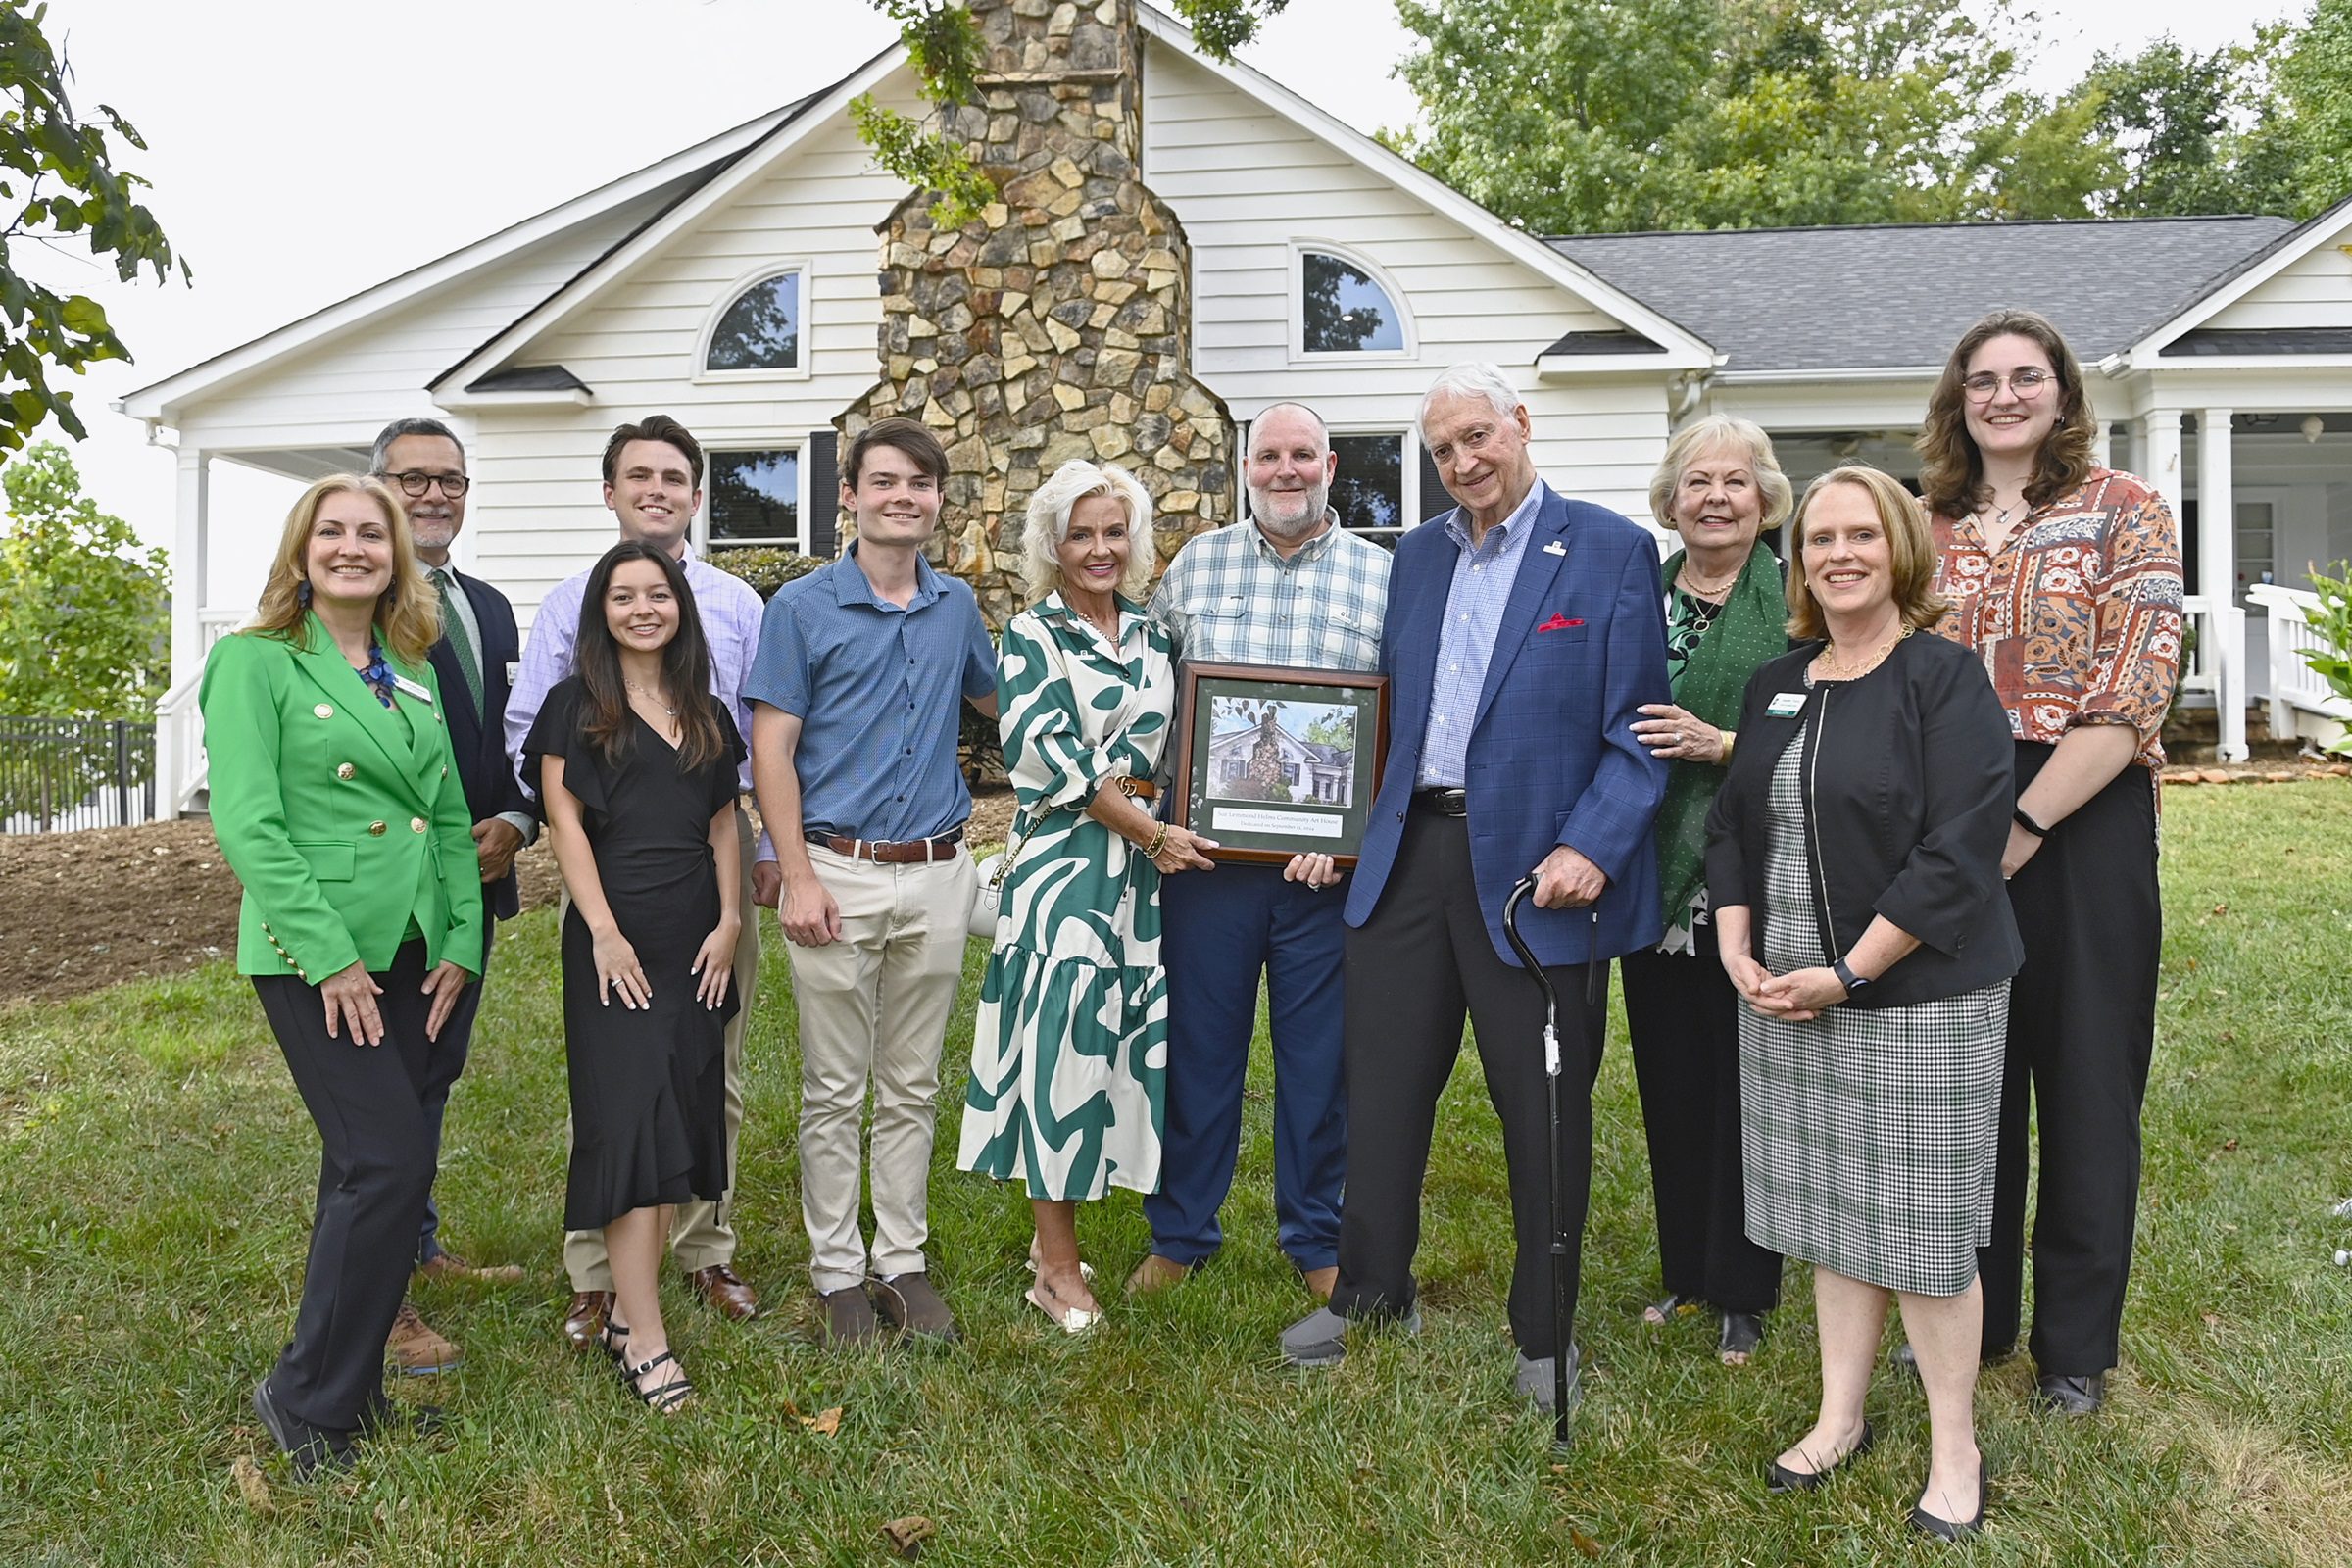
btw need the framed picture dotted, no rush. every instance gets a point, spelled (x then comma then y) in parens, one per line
(1273, 762)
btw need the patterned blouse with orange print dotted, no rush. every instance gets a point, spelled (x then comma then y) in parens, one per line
(2077, 616)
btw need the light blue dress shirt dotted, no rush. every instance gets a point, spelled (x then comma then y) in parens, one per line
(1481, 588)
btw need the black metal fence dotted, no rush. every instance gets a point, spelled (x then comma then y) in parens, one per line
(61, 774)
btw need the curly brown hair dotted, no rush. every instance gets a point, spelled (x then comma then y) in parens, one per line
(1952, 470)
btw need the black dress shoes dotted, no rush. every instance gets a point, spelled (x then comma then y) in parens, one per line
(309, 1449)
(1780, 1480)
(2060, 1394)
(1927, 1524)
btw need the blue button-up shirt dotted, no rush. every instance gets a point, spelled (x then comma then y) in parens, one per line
(1482, 587)
(878, 691)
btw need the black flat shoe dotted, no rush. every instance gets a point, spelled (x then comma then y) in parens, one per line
(309, 1449)
(2058, 1395)
(1780, 1480)
(1926, 1524)
(1741, 1332)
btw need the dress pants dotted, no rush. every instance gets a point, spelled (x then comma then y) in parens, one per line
(445, 1059)
(1684, 1016)
(874, 1005)
(2081, 1032)
(375, 1166)
(704, 1232)
(1218, 930)
(1412, 969)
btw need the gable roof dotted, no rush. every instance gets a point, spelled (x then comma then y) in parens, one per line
(2228, 288)
(1895, 297)
(689, 168)
(1684, 349)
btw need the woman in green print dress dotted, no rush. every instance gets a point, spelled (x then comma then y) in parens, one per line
(1070, 1051)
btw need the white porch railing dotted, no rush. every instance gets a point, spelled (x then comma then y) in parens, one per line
(2217, 665)
(180, 768)
(2294, 685)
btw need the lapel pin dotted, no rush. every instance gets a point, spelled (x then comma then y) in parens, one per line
(1555, 548)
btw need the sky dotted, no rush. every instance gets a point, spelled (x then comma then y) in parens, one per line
(301, 152)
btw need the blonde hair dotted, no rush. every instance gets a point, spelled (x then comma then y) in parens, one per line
(1910, 549)
(1715, 432)
(408, 613)
(1048, 523)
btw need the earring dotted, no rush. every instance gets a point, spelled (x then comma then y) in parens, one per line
(303, 593)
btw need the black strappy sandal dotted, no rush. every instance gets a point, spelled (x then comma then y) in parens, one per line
(664, 1398)
(611, 1337)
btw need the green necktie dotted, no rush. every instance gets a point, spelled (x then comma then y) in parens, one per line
(453, 626)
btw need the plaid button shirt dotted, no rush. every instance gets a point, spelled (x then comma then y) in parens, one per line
(1228, 598)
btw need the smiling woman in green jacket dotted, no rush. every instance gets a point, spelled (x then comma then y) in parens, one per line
(335, 802)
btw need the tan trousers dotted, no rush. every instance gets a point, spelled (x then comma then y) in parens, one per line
(702, 1234)
(874, 1008)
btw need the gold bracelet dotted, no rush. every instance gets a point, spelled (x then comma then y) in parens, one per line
(1158, 842)
(1728, 736)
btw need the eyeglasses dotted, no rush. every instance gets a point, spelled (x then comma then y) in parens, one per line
(416, 483)
(2027, 384)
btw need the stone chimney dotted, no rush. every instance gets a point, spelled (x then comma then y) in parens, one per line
(1058, 324)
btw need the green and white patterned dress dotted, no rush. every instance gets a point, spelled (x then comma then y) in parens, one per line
(1070, 1048)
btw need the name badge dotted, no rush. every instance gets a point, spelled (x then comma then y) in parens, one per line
(412, 688)
(513, 670)
(1786, 705)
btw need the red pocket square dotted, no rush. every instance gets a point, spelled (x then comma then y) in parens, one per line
(1558, 623)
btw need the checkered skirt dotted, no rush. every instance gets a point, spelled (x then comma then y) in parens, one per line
(1868, 1134)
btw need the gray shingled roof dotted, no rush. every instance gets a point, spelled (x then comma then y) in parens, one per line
(1821, 299)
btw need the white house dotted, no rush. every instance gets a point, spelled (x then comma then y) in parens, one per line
(734, 284)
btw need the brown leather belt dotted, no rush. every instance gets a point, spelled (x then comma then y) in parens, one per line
(898, 851)
(1137, 789)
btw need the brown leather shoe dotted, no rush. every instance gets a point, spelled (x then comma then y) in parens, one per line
(448, 1268)
(912, 1305)
(1155, 1273)
(725, 1291)
(416, 1349)
(849, 1321)
(1319, 1281)
(584, 1319)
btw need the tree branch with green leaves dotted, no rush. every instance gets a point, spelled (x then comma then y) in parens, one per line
(59, 184)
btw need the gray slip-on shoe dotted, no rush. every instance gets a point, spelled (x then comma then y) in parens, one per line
(1534, 1380)
(1320, 1339)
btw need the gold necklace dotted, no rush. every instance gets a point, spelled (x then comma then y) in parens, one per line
(650, 697)
(1692, 585)
(1829, 666)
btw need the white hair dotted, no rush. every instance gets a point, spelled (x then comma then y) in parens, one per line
(1478, 380)
(1049, 524)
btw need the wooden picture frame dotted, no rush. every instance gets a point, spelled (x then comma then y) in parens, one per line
(1272, 760)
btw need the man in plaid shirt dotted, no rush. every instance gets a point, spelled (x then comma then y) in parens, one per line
(1291, 587)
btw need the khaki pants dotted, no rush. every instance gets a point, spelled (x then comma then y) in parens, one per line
(874, 1008)
(702, 1233)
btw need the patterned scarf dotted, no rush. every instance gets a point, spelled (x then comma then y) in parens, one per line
(1752, 627)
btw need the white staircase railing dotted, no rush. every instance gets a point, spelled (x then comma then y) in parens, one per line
(2293, 684)
(181, 773)
(2217, 664)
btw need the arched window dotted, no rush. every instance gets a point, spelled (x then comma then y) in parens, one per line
(760, 327)
(1344, 309)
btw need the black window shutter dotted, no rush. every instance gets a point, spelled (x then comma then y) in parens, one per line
(822, 458)
(1435, 502)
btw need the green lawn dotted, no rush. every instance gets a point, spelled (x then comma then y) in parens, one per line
(159, 1173)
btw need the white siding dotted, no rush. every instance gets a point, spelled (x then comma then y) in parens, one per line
(342, 391)
(1245, 183)
(636, 342)
(2314, 290)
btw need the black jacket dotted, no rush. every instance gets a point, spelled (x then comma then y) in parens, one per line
(480, 739)
(1908, 794)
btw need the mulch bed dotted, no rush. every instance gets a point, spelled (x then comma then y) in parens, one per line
(82, 910)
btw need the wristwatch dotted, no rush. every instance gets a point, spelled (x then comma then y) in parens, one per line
(1854, 984)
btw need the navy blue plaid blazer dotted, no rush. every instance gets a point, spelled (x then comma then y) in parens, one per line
(1552, 757)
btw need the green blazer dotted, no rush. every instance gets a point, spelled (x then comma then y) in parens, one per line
(347, 827)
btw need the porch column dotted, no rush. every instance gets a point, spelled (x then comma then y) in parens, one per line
(2217, 576)
(2160, 455)
(188, 541)
(2102, 445)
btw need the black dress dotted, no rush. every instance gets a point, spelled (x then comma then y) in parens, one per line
(648, 1084)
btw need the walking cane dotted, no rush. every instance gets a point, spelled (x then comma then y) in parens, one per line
(1563, 1315)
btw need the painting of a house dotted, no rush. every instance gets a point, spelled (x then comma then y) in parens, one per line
(1288, 752)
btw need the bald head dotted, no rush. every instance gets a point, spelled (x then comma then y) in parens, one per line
(1289, 472)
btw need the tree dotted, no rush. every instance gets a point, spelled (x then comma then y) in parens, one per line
(1595, 116)
(2298, 150)
(58, 180)
(84, 608)
(944, 47)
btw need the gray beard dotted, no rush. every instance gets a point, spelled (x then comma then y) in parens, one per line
(1297, 530)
